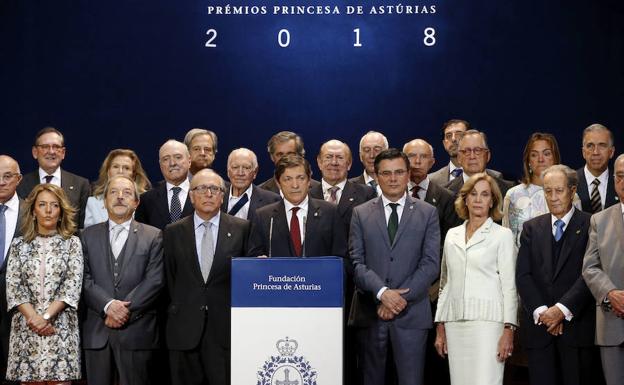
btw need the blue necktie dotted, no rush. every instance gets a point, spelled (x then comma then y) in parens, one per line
(239, 205)
(175, 211)
(2, 232)
(559, 231)
(457, 172)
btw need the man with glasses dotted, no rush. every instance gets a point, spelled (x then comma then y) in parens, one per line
(202, 147)
(395, 248)
(595, 187)
(11, 211)
(49, 151)
(168, 201)
(371, 144)
(452, 132)
(198, 250)
(473, 155)
(243, 198)
(603, 271)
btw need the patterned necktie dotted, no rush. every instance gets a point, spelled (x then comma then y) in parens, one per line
(596, 204)
(295, 231)
(457, 172)
(48, 178)
(559, 229)
(415, 191)
(239, 205)
(3, 239)
(175, 211)
(373, 184)
(207, 251)
(393, 222)
(116, 243)
(333, 198)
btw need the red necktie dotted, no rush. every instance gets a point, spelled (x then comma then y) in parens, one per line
(415, 191)
(295, 232)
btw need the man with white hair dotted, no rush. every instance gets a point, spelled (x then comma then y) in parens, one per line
(371, 144)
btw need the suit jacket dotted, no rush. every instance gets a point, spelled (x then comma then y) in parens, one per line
(141, 281)
(584, 193)
(323, 231)
(358, 179)
(193, 301)
(271, 185)
(539, 284)
(441, 177)
(76, 188)
(259, 198)
(412, 261)
(603, 270)
(153, 208)
(456, 184)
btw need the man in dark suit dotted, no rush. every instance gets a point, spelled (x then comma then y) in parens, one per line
(297, 226)
(395, 247)
(202, 146)
(474, 155)
(281, 144)
(198, 251)
(559, 319)
(371, 144)
(595, 187)
(123, 278)
(243, 198)
(168, 201)
(49, 151)
(11, 211)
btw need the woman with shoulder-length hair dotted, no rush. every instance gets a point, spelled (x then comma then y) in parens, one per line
(118, 162)
(44, 281)
(477, 306)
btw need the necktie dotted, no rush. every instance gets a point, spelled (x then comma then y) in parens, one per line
(295, 231)
(559, 229)
(457, 172)
(116, 240)
(373, 184)
(207, 251)
(393, 222)
(48, 178)
(596, 204)
(239, 205)
(333, 198)
(175, 211)
(3, 208)
(415, 191)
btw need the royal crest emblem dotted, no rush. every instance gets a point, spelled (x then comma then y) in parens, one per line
(287, 368)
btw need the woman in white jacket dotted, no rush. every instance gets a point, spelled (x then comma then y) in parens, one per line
(477, 308)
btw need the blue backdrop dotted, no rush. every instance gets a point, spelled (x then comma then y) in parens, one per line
(134, 73)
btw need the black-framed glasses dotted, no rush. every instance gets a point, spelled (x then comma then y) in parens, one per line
(477, 151)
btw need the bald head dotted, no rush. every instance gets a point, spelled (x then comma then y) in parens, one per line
(371, 145)
(242, 168)
(334, 160)
(10, 177)
(175, 161)
(420, 155)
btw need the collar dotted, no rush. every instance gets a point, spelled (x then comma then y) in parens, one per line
(197, 221)
(603, 178)
(126, 225)
(248, 192)
(387, 201)
(622, 207)
(452, 166)
(13, 203)
(367, 178)
(303, 205)
(327, 186)
(56, 173)
(566, 218)
(424, 184)
(185, 186)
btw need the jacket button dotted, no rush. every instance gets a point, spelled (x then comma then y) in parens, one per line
(391, 259)
(387, 280)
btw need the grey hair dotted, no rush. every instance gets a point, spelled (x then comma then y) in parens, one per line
(135, 187)
(598, 127)
(476, 132)
(571, 175)
(243, 150)
(195, 132)
(383, 137)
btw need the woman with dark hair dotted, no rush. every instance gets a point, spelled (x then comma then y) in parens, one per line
(117, 162)
(44, 281)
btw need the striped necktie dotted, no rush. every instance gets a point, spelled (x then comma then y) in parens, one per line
(596, 203)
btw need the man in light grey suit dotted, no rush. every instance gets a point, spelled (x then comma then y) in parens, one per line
(603, 271)
(395, 247)
(123, 278)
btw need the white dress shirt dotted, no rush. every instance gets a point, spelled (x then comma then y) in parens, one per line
(199, 232)
(185, 186)
(387, 211)
(602, 187)
(10, 216)
(327, 194)
(367, 179)
(56, 180)
(232, 200)
(302, 214)
(424, 185)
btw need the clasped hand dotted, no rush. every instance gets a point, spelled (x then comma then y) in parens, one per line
(40, 326)
(616, 298)
(117, 314)
(392, 303)
(553, 319)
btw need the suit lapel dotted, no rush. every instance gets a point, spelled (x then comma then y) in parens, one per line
(617, 222)
(189, 242)
(406, 216)
(432, 195)
(381, 221)
(67, 184)
(312, 223)
(103, 236)
(223, 236)
(280, 227)
(582, 191)
(226, 200)
(130, 246)
(162, 203)
(611, 197)
(346, 199)
(480, 235)
(573, 233)
(544, 241)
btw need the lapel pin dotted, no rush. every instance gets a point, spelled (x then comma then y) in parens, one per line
(71, 187)
(229, 234)
(135, 230)
(578, 231)
(316, 214)
(411, 207)
(434, 200)
(350, 199)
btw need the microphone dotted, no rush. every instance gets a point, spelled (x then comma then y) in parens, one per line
(270, 235)
(303, 244)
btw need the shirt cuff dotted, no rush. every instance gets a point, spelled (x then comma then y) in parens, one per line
(566, 312)
(381, 291)
(107, 305)
(537, 312)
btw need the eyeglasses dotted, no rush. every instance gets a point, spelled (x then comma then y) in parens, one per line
(8, 177)
(388, 173)
(241, 168)
(477, 151)
(50, 147)
(203, 189)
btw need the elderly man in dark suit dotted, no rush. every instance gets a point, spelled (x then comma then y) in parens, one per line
(49, 151)
(11, 211)
(123, 278)
(297, 226)
(243, 198)
(395, 247)
(371, 144)
(558, 321)
(198, 250)
(595, 188)
(168, 201)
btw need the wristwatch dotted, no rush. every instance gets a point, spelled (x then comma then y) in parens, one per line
(511, 327)
(46, 316)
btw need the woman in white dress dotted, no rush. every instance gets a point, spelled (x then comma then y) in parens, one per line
(477, 308)
(118, 162)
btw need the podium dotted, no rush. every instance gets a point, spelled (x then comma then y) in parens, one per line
(287, 321)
